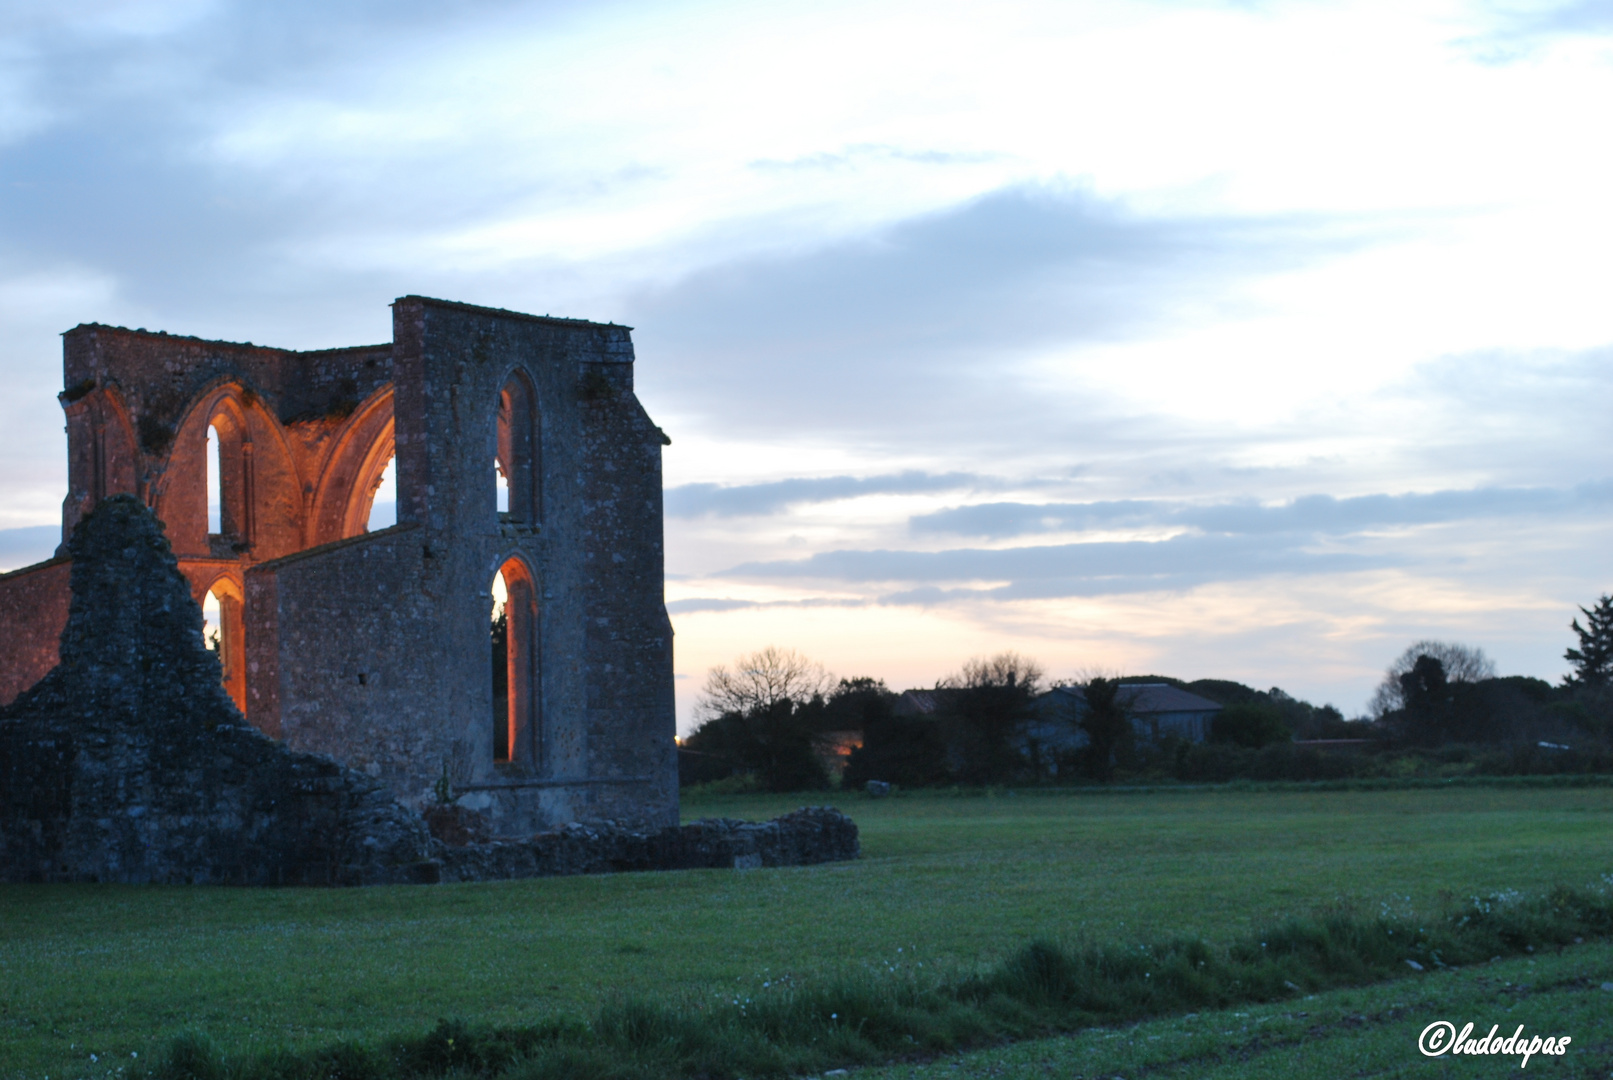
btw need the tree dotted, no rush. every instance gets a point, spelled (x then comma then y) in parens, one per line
(1254, 725)
(1107, 725)
(1593, 660)
(986, 702)
(775, 742)
(763, 717)
(905, 750)
(1006, 669)
(1428, 702)
(762, 680)
(1460, 664)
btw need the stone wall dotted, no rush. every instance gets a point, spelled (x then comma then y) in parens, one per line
(129, 762)
(807, 836)
(33, 611)
(374, 650)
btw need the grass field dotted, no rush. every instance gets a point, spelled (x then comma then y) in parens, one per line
(1367, 1032)
(947, 881)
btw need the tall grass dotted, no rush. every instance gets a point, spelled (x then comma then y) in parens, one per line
(870, 1017)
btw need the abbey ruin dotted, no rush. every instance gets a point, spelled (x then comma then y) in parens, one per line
(521, 455)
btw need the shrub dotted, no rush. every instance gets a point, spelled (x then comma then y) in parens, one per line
(1252, 725)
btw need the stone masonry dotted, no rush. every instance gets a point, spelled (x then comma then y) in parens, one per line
(373, 649)
(130, 763)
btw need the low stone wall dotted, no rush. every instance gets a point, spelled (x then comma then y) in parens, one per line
(810, 835)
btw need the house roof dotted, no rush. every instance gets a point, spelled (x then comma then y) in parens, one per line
(918, 702)
(1145, 699)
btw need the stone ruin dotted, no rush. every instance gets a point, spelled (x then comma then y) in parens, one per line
(521, 456)
(129, 762)
(353, 724)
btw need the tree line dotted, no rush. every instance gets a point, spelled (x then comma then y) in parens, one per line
(772, 720)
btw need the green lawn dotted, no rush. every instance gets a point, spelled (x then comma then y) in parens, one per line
(1366, 1032)
(946, 881)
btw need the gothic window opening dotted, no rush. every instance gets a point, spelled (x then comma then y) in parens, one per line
(513, 641)
(212, 631)
(384, 503)
(222, 631)
(229, 477)
(516, 466)
(215, 497)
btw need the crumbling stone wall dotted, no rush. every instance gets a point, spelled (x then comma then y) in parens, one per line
(129, 762)
(810, 835)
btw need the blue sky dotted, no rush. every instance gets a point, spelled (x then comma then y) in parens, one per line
(1249, 340)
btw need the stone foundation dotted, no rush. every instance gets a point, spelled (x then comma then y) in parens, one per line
(812, 834)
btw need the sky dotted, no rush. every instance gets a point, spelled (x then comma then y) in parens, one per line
(1245, 340)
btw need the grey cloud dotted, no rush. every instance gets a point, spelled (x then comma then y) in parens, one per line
(717, 604)
(886, 335)
(715, 500)
(1311, 514)
(1067, 569)
(123, 178)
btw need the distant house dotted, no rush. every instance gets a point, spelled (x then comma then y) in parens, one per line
(1052, 732)
(1157, 710)
(918, 703)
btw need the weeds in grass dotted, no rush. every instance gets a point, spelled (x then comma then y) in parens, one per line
(877, 1016)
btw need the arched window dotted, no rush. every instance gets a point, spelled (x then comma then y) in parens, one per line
(517, 736)
(517, 469)
(215, 497)
(222, 633)
(229, 476)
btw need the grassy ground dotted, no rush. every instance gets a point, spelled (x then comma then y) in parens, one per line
(946, 881)
(1369, 1032)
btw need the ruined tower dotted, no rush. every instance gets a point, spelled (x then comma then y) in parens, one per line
(521, 453)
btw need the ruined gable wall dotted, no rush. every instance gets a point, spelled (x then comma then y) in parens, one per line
(606, 718)
(629, 636)
(599, 738)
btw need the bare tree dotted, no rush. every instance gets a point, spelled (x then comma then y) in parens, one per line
(1462, 663)
(1004, 669)
(762, 680)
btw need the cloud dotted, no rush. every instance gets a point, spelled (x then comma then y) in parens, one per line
(885, 334)
(735, 500)
(1066, 569)
(1308, 515)
(1583, 17)
(712, 603)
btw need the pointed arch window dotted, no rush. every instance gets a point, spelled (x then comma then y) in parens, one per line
(229, 476)
(517, 468)
(517, 737)
(223, 632)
